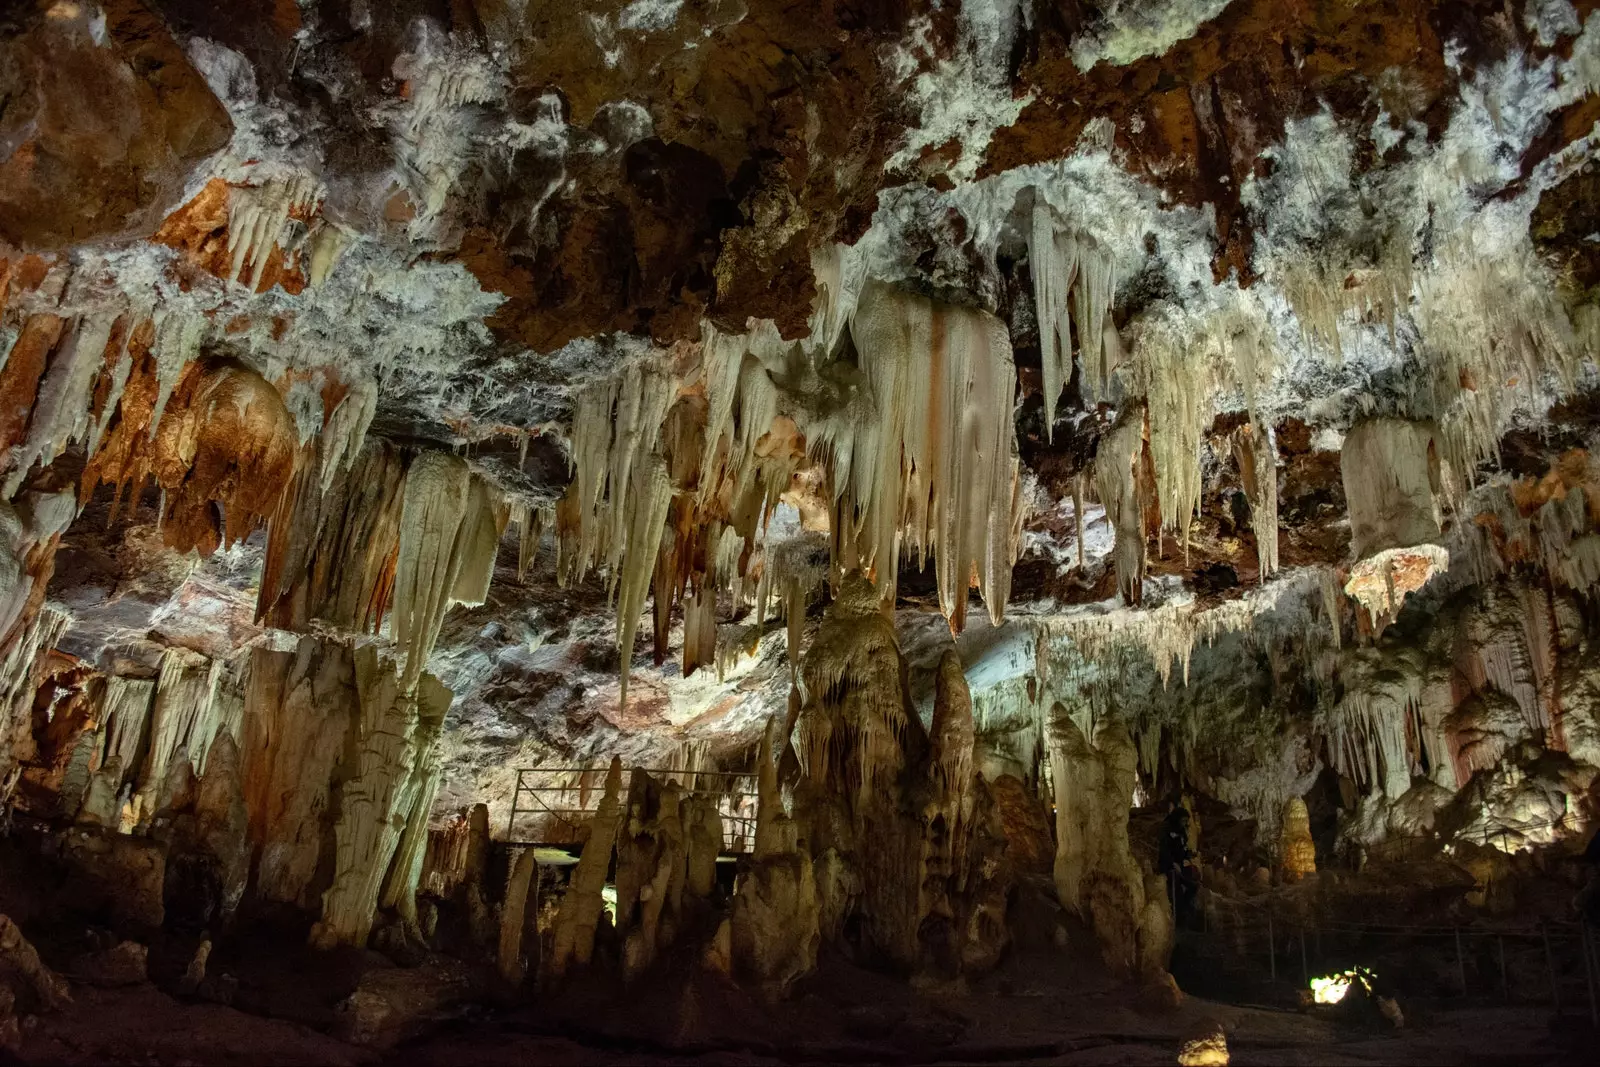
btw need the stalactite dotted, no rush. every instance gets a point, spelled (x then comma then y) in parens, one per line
(1391, 483)
(61, 412)
(37, 628)
(1257, 457)
(700, 631)
(331, 555)
(346, 430)
(328, 243)
(1320, 297)
(940, 458)
(1367, 733)
(182, 722)
(223, 455)
(176, 345)
(1118, 471)
(124, 720)
(450, 527)
(1177, 383)
(1490, 323)
(1072, 265)
(256, 217)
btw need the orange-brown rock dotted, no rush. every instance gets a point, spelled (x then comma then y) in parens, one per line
(105, 133)
(223, 454)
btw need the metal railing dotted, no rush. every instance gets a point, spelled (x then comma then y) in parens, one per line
(1295, 947)
(551, 805)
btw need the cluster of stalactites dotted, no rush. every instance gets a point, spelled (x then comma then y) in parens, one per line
(615, 512)
(1169, 633)
(1074, 284)
(1119, 479)
(450, 531)
(1367, 735)
(1558, 533)
(937, 461)
(1321, 297)
(1180, 366)
(256, 219)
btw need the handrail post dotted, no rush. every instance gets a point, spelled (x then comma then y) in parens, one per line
(1505, 983)
(1272, 947)
(1550, 965)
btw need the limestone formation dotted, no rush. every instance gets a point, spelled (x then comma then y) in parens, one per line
(1298, 851)
(1237, 357)
(582, 904)
(775, 927)
(521, 897)
(390, 791)
(1095, 872)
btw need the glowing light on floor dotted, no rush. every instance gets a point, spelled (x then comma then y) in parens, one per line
(1332, 988)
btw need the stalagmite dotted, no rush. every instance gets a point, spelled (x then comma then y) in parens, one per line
(583, 904)
(99, 807)
(775, 927)
(1095, 873)
(521, 890)
(222, 823)
(1297, 852)
(703, 831)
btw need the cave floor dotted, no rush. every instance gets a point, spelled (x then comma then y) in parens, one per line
(842, 1015)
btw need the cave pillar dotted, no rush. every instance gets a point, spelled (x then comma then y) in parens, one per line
(394, 776)
(1096, 875)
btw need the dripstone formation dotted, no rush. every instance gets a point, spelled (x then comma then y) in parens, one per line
(684, 524)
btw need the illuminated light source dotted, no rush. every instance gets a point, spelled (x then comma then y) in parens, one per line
(609, 895)
(1331, 989)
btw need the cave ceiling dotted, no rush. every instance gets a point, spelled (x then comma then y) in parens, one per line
(1211, 238)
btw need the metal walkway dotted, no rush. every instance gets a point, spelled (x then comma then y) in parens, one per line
(551, 804)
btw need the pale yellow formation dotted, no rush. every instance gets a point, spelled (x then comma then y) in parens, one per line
(583, 904)
(1298, 851)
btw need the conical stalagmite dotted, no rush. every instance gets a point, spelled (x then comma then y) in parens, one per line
(582, 905)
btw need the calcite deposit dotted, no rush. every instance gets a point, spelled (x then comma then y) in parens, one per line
(732, 523)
